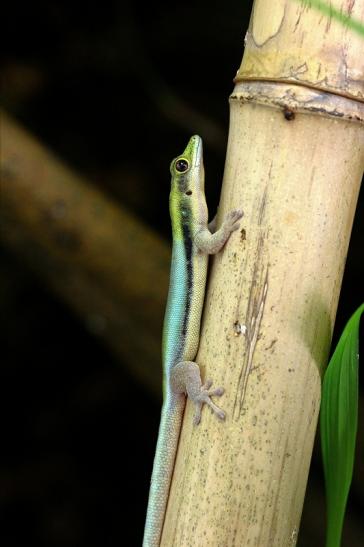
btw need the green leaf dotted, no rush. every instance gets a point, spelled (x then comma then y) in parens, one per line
(338, 425)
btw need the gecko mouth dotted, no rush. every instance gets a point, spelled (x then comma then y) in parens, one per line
(198, 152)
(197, 163)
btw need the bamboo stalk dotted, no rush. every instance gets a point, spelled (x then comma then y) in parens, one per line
(294, 41)
(110, 268)
(294, 163)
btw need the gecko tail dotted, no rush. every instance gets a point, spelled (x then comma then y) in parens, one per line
(168, 438)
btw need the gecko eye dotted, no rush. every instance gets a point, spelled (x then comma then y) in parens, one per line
(181, 165)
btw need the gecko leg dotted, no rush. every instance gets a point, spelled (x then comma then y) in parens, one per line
(186, 378)
(211, 243)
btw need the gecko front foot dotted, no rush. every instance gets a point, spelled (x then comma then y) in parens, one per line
(231, 220)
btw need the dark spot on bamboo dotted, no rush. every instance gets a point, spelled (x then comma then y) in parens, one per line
(243, 234)
(271, 344)
(237, 328)
(288, 114)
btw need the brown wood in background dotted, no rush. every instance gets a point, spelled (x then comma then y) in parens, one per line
(110, 268)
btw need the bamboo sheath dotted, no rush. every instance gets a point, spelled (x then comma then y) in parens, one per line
(294, 162)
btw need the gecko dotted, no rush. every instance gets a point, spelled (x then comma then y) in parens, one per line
(193, 240)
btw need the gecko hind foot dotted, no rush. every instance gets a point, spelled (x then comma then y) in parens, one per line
(204, 398)
(186, 378)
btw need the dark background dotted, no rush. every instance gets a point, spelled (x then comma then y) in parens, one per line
(115, 89)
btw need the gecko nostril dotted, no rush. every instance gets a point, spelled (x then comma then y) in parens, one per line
(189, 193)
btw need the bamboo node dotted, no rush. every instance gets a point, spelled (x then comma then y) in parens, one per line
(293, 99)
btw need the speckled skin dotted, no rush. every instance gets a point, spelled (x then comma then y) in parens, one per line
(192, 242)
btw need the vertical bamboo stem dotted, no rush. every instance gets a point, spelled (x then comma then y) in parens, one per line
(294, 163)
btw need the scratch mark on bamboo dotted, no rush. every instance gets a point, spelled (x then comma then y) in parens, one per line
(253, 35)
(263, 202)
(254, 318)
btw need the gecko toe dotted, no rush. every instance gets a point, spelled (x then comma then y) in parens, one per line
(206, 386)
(197, 419)
(217, 392)
(221, 415)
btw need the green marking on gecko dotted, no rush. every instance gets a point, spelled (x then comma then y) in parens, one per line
(187, 187)
(188, 268)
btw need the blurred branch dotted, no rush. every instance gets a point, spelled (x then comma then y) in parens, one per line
(110, 268)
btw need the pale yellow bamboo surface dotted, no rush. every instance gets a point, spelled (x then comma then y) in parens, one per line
(294, 163)
(292, 40)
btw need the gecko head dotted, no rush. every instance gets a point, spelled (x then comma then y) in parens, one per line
(187, 170)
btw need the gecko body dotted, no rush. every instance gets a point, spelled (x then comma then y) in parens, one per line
(193, 241)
